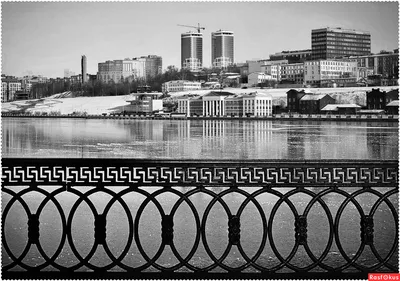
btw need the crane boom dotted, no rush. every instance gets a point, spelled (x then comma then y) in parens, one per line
(198, 27)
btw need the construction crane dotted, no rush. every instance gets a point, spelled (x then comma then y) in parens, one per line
(198, 27)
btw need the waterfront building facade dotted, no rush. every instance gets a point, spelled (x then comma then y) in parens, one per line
(214, 103)
(180, 86)
(234, 105)
(192, 51)
(377, 99)
(144, 103)
(328, 43)
(293, 99)
(341, 109)
(330, 72)
(218, 104)
(222, 48)
(191, 106)
(257, 104)
(293, 72)
(312, 104)
(292, 56)
(393, 107)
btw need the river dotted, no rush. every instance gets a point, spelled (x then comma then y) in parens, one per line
(199, 139)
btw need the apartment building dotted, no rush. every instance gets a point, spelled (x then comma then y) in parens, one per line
(385, 64)
(118, 70)
(293, 72)
(9, 86)
(328, 72)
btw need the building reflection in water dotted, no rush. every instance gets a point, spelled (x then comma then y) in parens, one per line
(198, 139)
(295, 142)
(381, 144)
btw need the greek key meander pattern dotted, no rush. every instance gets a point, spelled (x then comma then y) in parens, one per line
(135, 179)
(193, 175)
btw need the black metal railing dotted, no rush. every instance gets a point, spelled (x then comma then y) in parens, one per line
(116, 180)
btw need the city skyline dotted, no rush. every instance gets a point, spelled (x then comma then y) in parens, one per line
(110, 31)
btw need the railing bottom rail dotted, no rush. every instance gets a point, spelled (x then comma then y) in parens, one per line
(182, 275)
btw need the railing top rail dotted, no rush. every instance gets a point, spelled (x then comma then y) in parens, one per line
(200, 172)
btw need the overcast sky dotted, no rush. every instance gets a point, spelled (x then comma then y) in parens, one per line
(46, 37)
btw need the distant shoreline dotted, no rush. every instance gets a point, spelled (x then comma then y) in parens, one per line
(281, 117)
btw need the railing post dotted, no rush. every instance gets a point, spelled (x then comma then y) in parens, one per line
(234, 229)
(167, 229)
(100, 229)
(300, 227)
(367, 230)
(33, 229)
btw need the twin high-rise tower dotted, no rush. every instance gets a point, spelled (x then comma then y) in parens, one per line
(222, 54)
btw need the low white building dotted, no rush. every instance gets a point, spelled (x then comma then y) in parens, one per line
(257, 104)
(144, 103)
(218, 104)
(180, 86)
(258, 77)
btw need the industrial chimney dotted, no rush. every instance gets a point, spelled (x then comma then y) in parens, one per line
(84, 69)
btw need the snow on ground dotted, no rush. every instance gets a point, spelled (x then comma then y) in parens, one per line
(64, 104)
(90, 105)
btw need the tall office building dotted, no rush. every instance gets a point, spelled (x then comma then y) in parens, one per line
(192, 51)
(222, 48)
(328, 43)
(84, 69)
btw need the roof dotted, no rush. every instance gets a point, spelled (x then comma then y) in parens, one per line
(257, 94)
(330, 107)
(146, 94)
(371, 111)
(233, 76)
(235, 97)
(348, 105)
(335, 107)
(219, 93)
(188, 97)
(393, 103)
(312, 97)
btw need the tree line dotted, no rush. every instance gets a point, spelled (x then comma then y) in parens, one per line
(125, 86)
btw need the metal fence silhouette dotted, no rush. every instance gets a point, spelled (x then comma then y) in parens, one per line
(315, 179)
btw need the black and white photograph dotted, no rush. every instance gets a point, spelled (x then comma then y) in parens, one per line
(200, 140)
